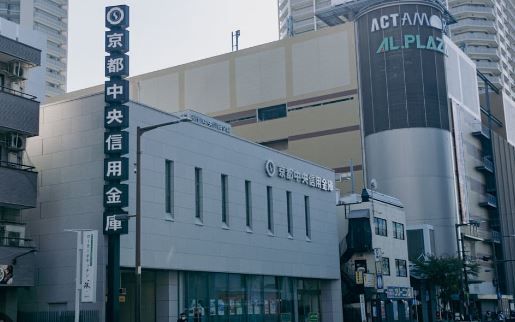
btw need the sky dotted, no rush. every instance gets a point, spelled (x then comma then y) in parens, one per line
(164, 33)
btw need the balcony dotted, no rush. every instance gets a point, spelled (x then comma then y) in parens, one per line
(482, 53)
(19, 111)
(54, 23)
(14, 50)
(488, 67)
(455, 3)
(482, 133)
(472, 25)
(487, 166)
(472, 11)
(478, 39)
(50, 7)
(56, 64)
(56, 50)
(19, 185)
(490, 201)
(12, 234)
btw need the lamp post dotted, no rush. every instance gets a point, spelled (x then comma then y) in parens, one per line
(464, 279)
(139, 132)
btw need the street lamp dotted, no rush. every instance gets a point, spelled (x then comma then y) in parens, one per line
(139, 132)
(459, 242)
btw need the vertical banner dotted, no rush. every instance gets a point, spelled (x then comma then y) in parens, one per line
(116, 120)
(89, 266)
(362, 308)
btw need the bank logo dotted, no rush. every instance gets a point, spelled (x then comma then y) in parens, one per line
(270, 168)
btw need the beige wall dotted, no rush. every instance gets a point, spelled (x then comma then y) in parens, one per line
(313, 74)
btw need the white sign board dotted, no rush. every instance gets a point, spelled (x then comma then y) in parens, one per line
(89, 266)
(362, 306)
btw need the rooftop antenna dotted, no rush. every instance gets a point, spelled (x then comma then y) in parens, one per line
(235, 40)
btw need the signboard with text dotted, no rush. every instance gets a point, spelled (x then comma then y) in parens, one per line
(89, 266)
(116, 119)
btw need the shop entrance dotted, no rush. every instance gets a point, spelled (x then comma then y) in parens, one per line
(309, 305)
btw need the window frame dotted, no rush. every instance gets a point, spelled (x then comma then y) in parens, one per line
(224, 182)
(377, 229)
(307, 216)
(170, 188)
(270, 208)
(397, 267)
(198, 194)
(289, 213)
(396, 235)
(248, 204)
(387, 260)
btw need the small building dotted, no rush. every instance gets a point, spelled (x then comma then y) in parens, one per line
(374, 257)
(234, 229)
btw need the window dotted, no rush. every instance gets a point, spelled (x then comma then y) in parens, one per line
(270, 208)
(400, 266)
(380, 226)
(198, 193)
(307, 216)
(248, 204)
(169, 187)
(398, 230)
(289, 213)
(225, 198)
(272, 112)
(386, 266)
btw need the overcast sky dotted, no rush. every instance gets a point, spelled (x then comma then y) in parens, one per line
(164, 33)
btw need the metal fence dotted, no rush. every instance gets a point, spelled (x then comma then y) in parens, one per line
(58, 316)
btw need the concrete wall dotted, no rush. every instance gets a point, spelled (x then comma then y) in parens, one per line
(69, 154)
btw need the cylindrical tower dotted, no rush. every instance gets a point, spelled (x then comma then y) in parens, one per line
(405, 113)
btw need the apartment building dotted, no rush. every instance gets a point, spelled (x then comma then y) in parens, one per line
(21, 88)
(49, 17)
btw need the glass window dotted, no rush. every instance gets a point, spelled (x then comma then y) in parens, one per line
(198, 193)
(169, 187)
(225, 198)
(398, 230)
(400, 266)
(289, 213)
(270, 208)
(272, 112)
(248, 203)
(380, 226)
(307, 216)
(386, 266)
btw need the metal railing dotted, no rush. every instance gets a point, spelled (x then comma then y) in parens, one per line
(17, 93)
(18, 166)
(16, 242)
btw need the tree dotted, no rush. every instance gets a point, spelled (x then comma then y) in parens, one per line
(444, 272)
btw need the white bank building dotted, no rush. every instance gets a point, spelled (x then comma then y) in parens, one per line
(241, 231)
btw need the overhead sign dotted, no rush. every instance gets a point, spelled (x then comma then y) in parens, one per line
(89, 266)
(291, 174)
(116, 119)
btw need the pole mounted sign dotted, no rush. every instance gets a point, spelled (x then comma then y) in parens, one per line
(116, 146)
(116, 119)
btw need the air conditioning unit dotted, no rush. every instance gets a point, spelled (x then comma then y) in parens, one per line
(16, 69)
(15, 142)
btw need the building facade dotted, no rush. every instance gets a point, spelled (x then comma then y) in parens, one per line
(49, 17)
(21, 80)
(222, 234)
(374, 257)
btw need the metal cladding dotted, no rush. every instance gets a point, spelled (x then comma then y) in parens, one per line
(401, 65)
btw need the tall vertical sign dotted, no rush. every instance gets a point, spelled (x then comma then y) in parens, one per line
(116, 145)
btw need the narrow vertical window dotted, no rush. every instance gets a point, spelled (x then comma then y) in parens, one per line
(198, 193)
(307, 216)
(248, 204)
(289, 213)
(169, 188)
(225, 199)
(270, 208)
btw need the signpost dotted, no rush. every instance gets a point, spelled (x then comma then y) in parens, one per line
(116, 145)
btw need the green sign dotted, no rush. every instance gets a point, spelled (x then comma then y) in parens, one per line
(411, 41)
(313, 317)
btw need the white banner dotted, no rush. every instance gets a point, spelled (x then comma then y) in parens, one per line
(89, 266)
